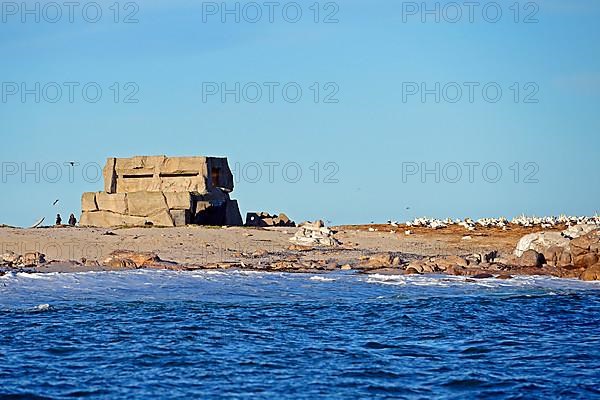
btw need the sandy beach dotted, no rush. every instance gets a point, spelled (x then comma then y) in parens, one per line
(363, 248)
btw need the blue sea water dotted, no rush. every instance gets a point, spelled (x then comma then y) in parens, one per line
(231, 335)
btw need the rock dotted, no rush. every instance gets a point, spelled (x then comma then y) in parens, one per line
(232, 214)
(504, 276)
(264, 219)
(429, 268)
(411, 271)
(179, 200)
(482, 276)
(553, 254)
(116, 202)
(569, 271)
(110, 175)
(131, 259)
(591, 274)
(456, 260)
(346, 267)
(107, 219)
(295, 247)
(181, 217)
(313, 225)
(162, 218)
(122, 263)
(578, 230)
(474, 259)
(88, 202)
(380, 261)
(269, 221)
(386, 271)
(584, 244)
(586, 260)
(314, 234)
(142, 204)
(33, 259)
(285, 266)
(10, 258)
(540, 242)
(284, 219)
(331, 266)
(531, 258)
(456, 270)
(509, 259)
(90, 263)
(417, 266)
(140, 258)
(440, 265)
(564, 259)
(260, 253)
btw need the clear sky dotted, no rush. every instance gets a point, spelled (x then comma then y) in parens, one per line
(369, 126)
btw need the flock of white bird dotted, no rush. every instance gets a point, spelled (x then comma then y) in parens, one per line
(504, 223)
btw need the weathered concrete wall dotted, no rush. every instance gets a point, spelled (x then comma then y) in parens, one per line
(157, 208)
(167, 174)
(162, 191)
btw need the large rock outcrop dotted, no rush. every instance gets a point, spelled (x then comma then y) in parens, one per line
(265, 219)
(162, 191)
(577, 250)
(540, 241)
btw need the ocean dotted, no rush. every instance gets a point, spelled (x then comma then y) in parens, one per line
(237, 335)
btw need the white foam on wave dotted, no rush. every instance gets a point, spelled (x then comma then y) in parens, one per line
(321, 279)
(532, 281)
(27, 290)
(42, 308)
(31, 275)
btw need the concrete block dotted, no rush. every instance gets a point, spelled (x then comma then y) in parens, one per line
(143, 204)
(88, 202)
(179, 200)
(114, 202)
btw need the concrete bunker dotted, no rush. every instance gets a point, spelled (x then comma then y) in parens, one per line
(163, 191)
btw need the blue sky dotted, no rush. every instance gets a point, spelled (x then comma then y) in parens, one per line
(361, 144)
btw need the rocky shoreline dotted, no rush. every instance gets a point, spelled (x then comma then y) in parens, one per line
(573, 252)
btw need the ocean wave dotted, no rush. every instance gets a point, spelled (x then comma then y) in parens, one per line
(320, 278)
(533, 281)
(27, 289)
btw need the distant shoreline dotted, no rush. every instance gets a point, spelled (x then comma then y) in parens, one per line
(380, 249)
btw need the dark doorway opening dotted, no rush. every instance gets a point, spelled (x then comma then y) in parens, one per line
(215, 175)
